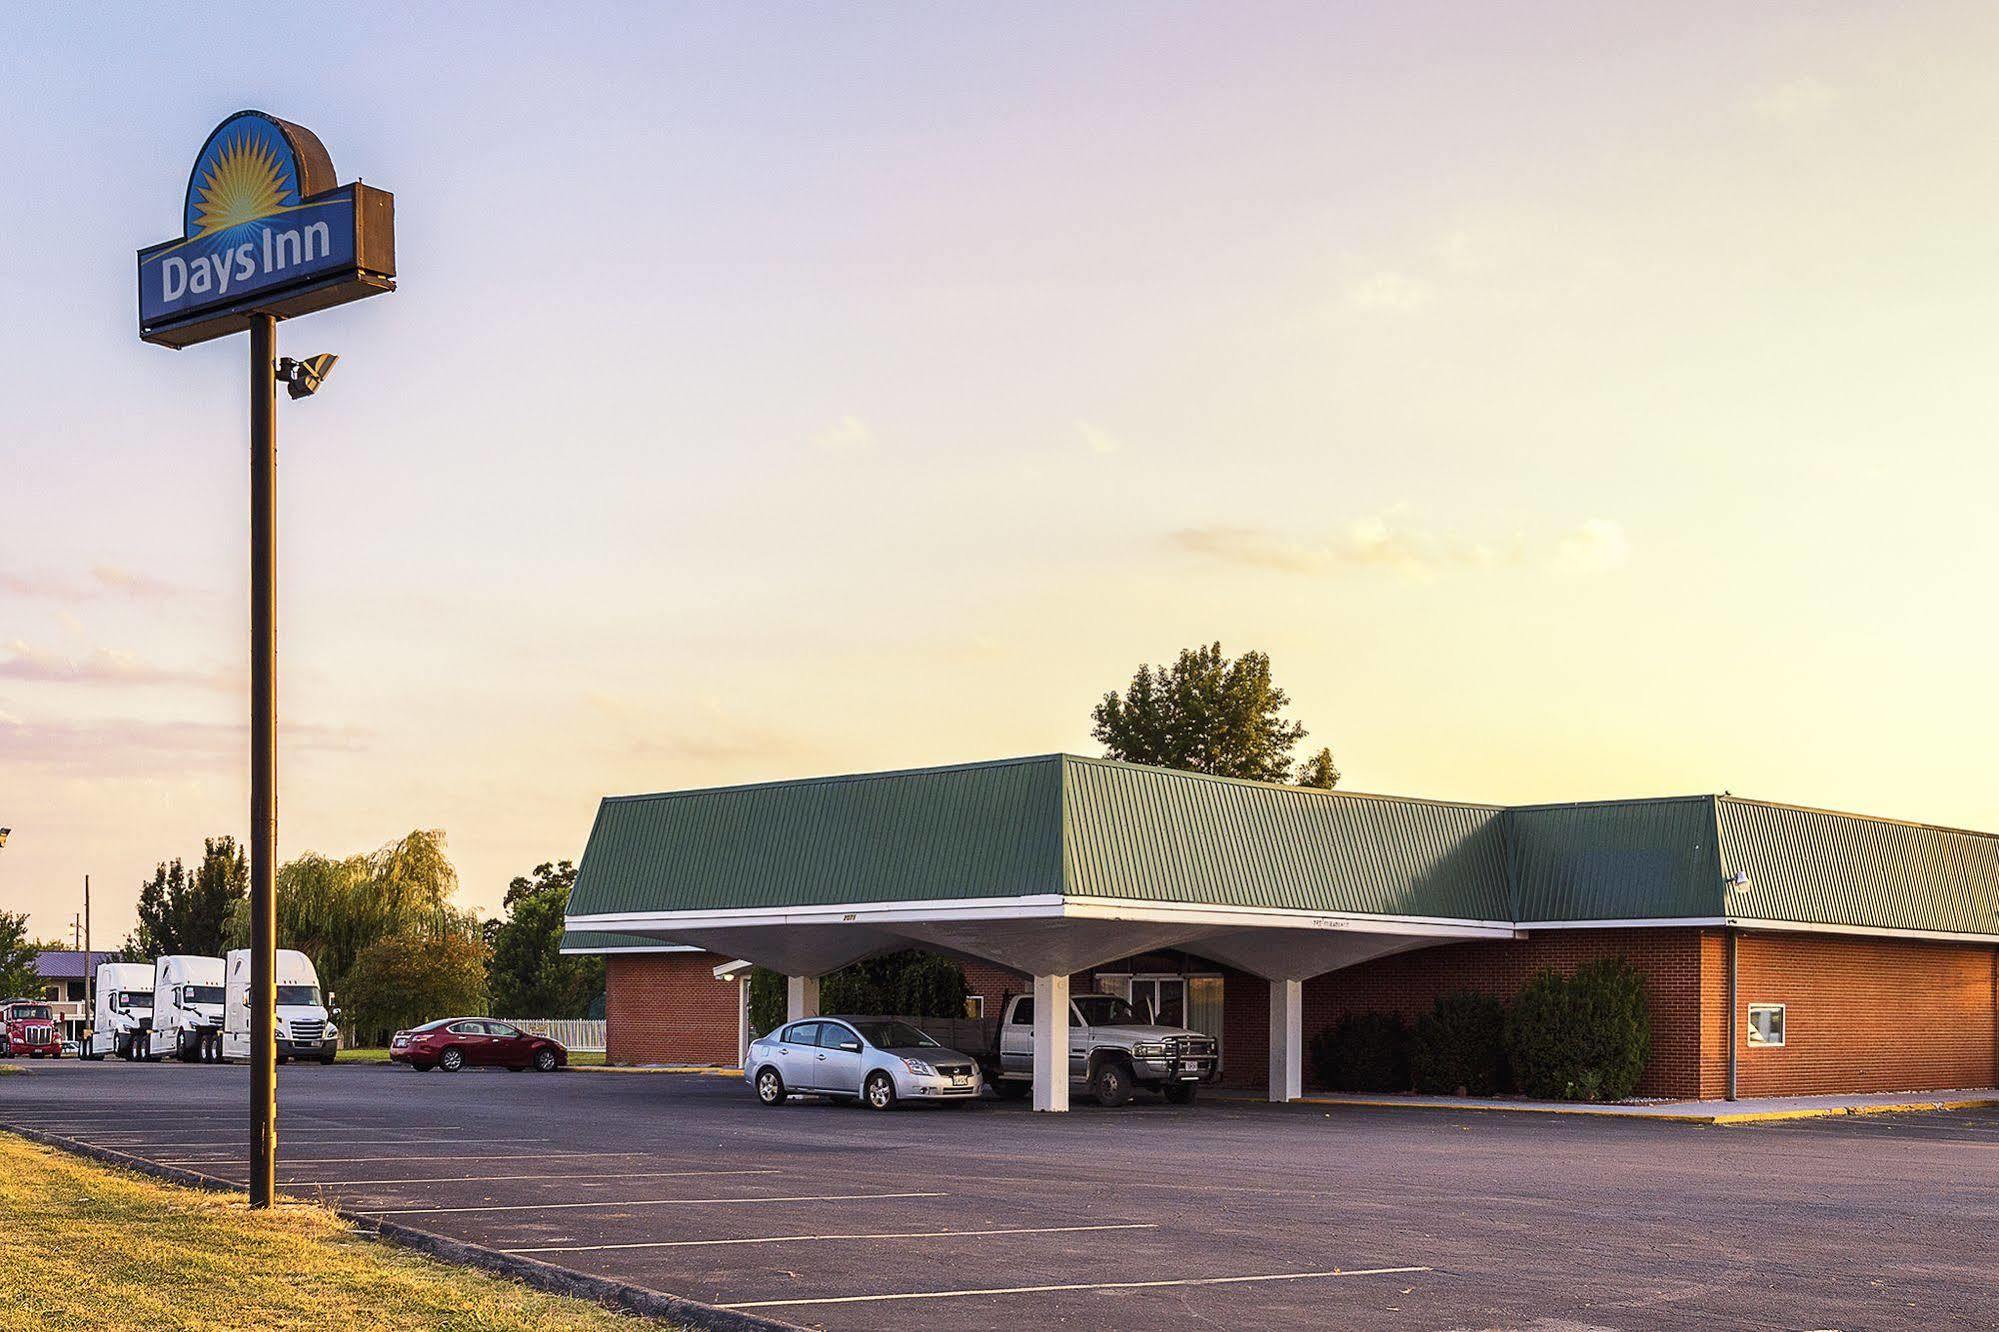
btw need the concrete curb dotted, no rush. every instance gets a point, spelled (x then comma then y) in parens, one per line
(688, 1070)
(1633, 1115)
(542, 1276)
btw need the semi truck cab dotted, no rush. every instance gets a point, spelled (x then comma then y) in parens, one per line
(187, 1008)
(122, 1018)
(305, 1029)
(28, 1027)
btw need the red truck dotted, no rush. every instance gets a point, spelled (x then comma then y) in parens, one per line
(28, 1028)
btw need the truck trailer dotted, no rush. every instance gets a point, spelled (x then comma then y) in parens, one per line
(305, 1030)
(123, 1016)
(187, 1008)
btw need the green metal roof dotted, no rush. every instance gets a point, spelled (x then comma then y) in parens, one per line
(603, 941)
(1614, 860)
(1818, 867)
(1163, 836)
(1092, 828)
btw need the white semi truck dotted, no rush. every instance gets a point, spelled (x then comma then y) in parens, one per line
(305, 1029)
(187, 1008)
(124, 1011)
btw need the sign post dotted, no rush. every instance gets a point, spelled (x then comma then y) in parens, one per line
(267, 234)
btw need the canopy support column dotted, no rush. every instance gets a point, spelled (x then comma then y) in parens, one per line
(801, 997)
(1287, 1040)
(1051, 1043)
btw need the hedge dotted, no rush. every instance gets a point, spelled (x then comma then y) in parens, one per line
(1458, 1048)
(1583, 1037)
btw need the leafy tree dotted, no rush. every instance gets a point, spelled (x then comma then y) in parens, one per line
(18, 956)
(1319, 770)
(1207, 713)
(191, 913)
(528, 976)
(401, 980)
(910, 983)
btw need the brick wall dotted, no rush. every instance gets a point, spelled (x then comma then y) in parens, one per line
(1865, 1015)
(668, 1008)
(1409, 983)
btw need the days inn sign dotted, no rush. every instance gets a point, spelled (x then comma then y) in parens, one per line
(265, 230)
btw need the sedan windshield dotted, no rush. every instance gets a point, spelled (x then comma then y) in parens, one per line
(893, 1035)
(1105, 1010)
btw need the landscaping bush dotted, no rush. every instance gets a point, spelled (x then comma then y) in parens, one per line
(1583, 1037)
(1363, 1052)
(1459, 1047)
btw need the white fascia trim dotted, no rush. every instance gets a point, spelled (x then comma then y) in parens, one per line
(1636, 923)
(730, 970)
(634, 948)
(1876, 931)
(1766, 926)
(1041, 906)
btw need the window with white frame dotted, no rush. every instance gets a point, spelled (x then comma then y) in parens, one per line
(1766, 1024)
(975, 1005)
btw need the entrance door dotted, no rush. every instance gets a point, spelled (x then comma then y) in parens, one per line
(1165, 997)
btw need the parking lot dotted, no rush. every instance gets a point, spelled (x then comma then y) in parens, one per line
(1225, 1214)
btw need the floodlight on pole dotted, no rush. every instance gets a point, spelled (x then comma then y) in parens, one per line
(303, 378)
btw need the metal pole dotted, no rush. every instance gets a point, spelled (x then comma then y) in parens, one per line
(1734, 1031)
(263, 758)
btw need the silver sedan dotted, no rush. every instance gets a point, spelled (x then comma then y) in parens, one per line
(875, 1060)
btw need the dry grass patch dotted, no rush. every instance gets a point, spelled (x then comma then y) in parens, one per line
(83, 1246)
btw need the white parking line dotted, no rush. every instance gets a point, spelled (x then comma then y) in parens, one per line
(1079, 1285)
(804, 1239)
(645, 1202)
(315, 1130)
(569, 1175)
(287, 1158)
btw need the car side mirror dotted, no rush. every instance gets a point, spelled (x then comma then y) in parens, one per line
(851, 1047)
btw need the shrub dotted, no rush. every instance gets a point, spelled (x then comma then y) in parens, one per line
(1363, 1052)
(1583, 1037)
(1459, 1047)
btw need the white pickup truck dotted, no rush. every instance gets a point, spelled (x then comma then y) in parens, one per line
(1113, 1050)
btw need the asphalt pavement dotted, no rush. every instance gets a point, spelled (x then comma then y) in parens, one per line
(1223, 1214)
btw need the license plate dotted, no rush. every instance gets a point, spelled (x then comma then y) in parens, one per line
(961, 1081)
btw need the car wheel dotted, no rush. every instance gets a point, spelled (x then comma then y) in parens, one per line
(1111, 1084)
(880, 1091)
(770, 1087)
(1182, 1093)
(451, 1060)
(544, 1061)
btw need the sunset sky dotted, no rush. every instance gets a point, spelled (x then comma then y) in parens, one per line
(1574, 400)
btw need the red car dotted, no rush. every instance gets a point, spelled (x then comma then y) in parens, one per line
(455, 1043)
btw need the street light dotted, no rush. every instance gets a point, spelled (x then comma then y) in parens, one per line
(303, 378)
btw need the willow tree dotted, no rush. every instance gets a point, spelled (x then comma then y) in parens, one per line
(333, 911)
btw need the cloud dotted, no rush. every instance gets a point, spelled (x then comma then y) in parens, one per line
(1389, 290)
(1395, 542)
(1596, 546)
(850, 434)
(1098, 440)
(1795, 102)
(105, 666)
(134, 746)
(104, 580)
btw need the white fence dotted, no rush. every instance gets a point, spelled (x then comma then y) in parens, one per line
(575, 1033)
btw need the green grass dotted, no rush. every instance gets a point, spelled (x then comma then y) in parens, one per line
(84, 1246)
(380, 1056)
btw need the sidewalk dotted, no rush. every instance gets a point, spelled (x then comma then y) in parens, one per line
(1747, 1111)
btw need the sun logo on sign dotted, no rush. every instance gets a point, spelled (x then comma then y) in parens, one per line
(245, 182)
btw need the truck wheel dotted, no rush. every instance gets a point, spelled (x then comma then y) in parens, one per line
(1182, 1093)
(770, 1087)
(451, 1060)
(1111, 1084)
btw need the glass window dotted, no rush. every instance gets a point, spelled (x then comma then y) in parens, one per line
(1023, 1013)
(203, 994)
(501, 1029)
(468, 1029)
(137, 999)
(802, 1033)
(1766, 1024)
(975, 1005)
(833, 1035)
(300, 996)
(890, 1035)
(1102, 1010)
